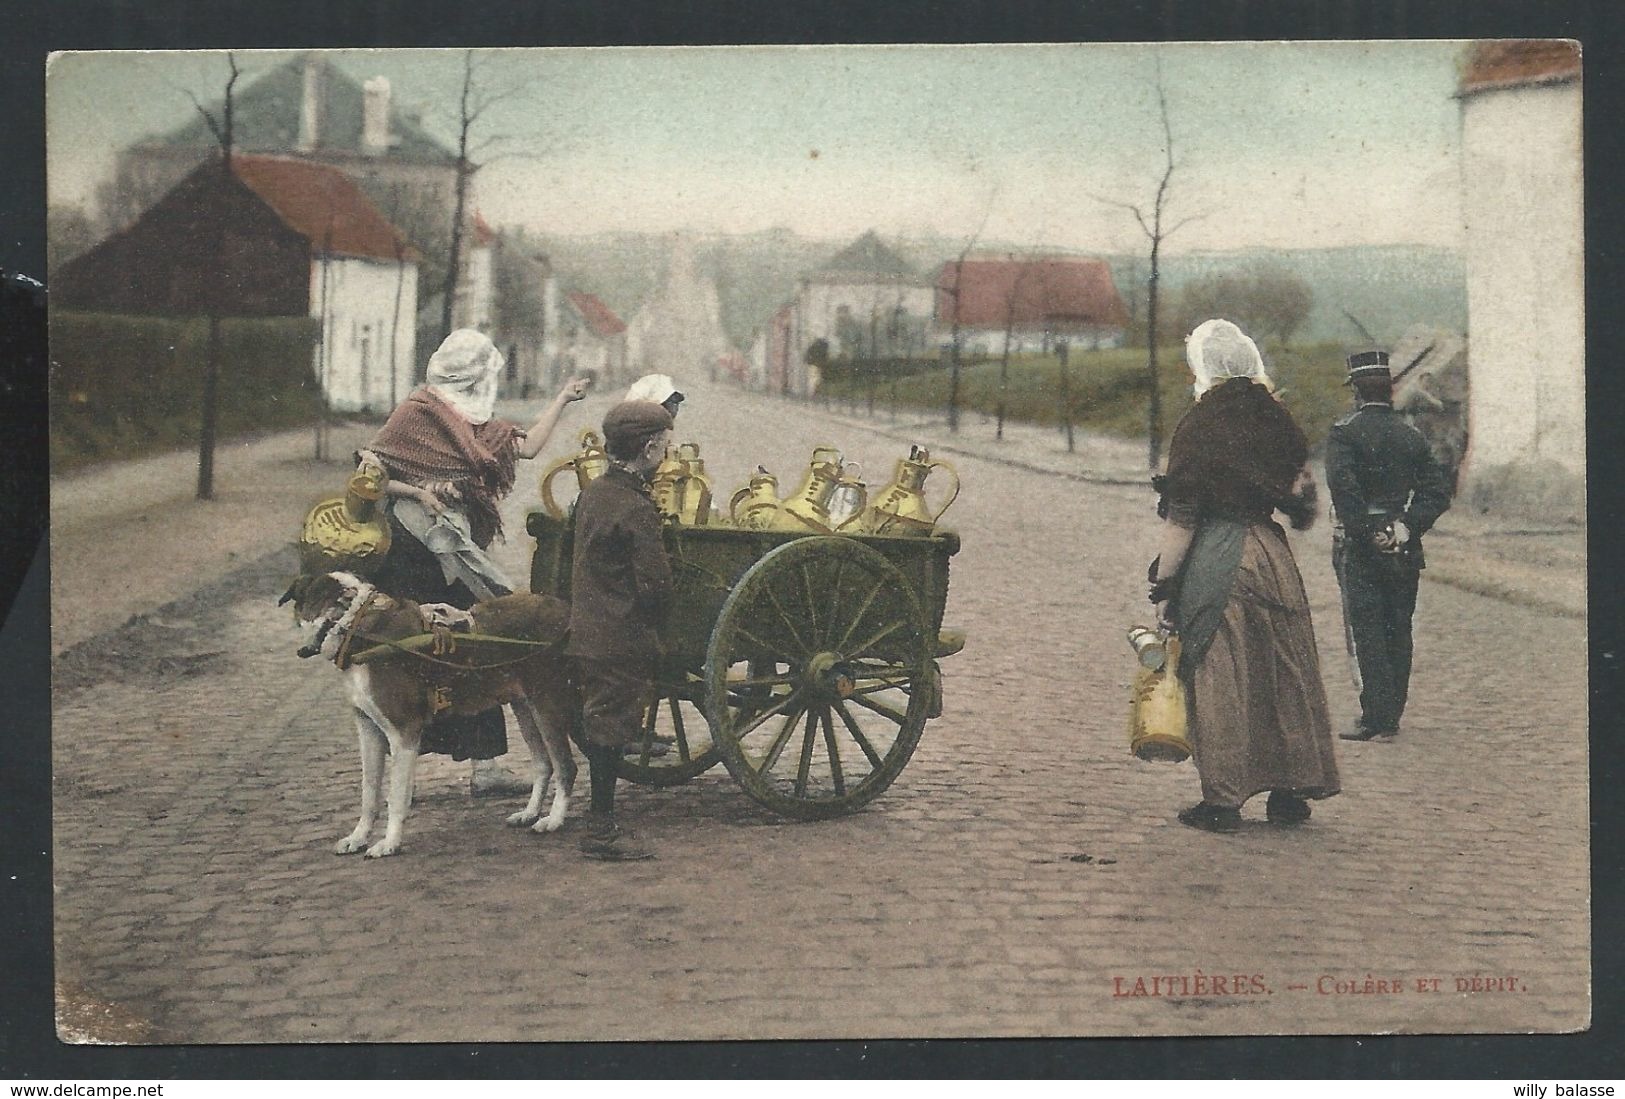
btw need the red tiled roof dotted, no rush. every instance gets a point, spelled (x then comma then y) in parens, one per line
(600, 319)
(1516, 62)
(323, 205)
(1044, 290)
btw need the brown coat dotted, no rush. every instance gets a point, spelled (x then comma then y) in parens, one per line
(620, 577)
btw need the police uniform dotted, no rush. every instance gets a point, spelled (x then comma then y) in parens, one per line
(1380, 472)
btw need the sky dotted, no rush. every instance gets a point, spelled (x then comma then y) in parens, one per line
(1277, 145)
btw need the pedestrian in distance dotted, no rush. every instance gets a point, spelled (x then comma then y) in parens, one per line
(450, 461)
(1387, 492)
(1225, 581)
(620, 587)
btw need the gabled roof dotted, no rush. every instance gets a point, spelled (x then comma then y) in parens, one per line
(321, 204)
(866, 259)
(601, 321)
(1518, 63)
(265, 118)
(1041, 290)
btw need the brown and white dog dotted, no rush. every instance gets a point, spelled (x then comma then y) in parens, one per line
(393, 698)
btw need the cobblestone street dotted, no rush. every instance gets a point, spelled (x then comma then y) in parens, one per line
(1024, 876)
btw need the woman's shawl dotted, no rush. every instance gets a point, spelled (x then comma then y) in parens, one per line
(1233, 458)
(1236, 452)
(426, 440)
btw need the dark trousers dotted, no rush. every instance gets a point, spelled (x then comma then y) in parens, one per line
(1379, 598)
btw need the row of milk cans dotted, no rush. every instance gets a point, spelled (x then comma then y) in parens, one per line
(832, 498)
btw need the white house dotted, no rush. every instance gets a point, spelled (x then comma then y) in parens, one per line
(1033, 300)
(277, 237)
(1522, 204)
(858, 297)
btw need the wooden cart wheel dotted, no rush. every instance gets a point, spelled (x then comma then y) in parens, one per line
(816, 679)
(675, 727)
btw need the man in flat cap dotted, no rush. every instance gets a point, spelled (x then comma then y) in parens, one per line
(620, 582)
(1387, 491)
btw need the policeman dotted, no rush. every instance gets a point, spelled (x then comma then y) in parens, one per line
(1387, 491)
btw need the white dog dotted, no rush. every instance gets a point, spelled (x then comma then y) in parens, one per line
(394, 697)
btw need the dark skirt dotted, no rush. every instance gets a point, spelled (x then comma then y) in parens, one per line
(410, 571)
(1258, 711)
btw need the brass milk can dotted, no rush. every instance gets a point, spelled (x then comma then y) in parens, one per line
(754, 506)
(808, 507)
(590, 464)
(694, 491)
(900, 507)
(348, 532)
(850, 497)
(666, 486)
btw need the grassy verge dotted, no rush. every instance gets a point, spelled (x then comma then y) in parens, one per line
(1109, 389)
(80, 438)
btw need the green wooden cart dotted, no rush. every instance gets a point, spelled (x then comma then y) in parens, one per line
(806, 664)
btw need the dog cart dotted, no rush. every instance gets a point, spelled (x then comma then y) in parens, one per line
(806, 664)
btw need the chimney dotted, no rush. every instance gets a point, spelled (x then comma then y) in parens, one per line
(375, 116)
(310, 106)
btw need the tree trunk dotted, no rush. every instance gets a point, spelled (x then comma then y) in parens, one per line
(206, 433)
(1154, 406)
(1066, 394)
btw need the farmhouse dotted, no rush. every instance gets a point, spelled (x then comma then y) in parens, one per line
(1522, 203)
(1035, 299)
(274, 237)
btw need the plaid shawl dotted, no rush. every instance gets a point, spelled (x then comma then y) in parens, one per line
(426, 440)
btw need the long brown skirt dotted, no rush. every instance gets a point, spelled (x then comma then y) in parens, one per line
(1257, 705)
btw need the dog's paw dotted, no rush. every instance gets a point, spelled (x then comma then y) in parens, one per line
(382, 849)
(350, 844)
(522, 819)
(547, 824)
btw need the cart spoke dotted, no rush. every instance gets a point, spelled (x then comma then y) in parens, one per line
(878, 637)
(757, 721)
(806, 754)
(758, 642)
(677, 726)
(857, 734)
(834, 755)
(812, 600)
(834, 602)
(779, 741)
(762, 681)
(857, 619)
(789, 623)
(881, 708)
(648, 737)
(884, 685)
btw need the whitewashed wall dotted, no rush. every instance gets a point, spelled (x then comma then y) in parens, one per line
(1522, 201)
(353, 359)
(820, 303)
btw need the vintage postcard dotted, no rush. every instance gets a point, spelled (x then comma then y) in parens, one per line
(639, 544)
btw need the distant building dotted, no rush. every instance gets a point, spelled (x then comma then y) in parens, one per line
(678, 331)
(276, 237)
(592, 339)
(310, 109)
(1522, 200)
(1036, 298)
(855, 301)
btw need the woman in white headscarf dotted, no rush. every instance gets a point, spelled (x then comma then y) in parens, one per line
(1227, 583)
(658, 388)
(450, 462)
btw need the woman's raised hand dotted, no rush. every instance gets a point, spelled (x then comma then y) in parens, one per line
(574, 389)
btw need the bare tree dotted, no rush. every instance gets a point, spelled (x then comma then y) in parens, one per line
(954, 347)
(1012, 303)
(1156, 231)
(478, 95)
(221, 128)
